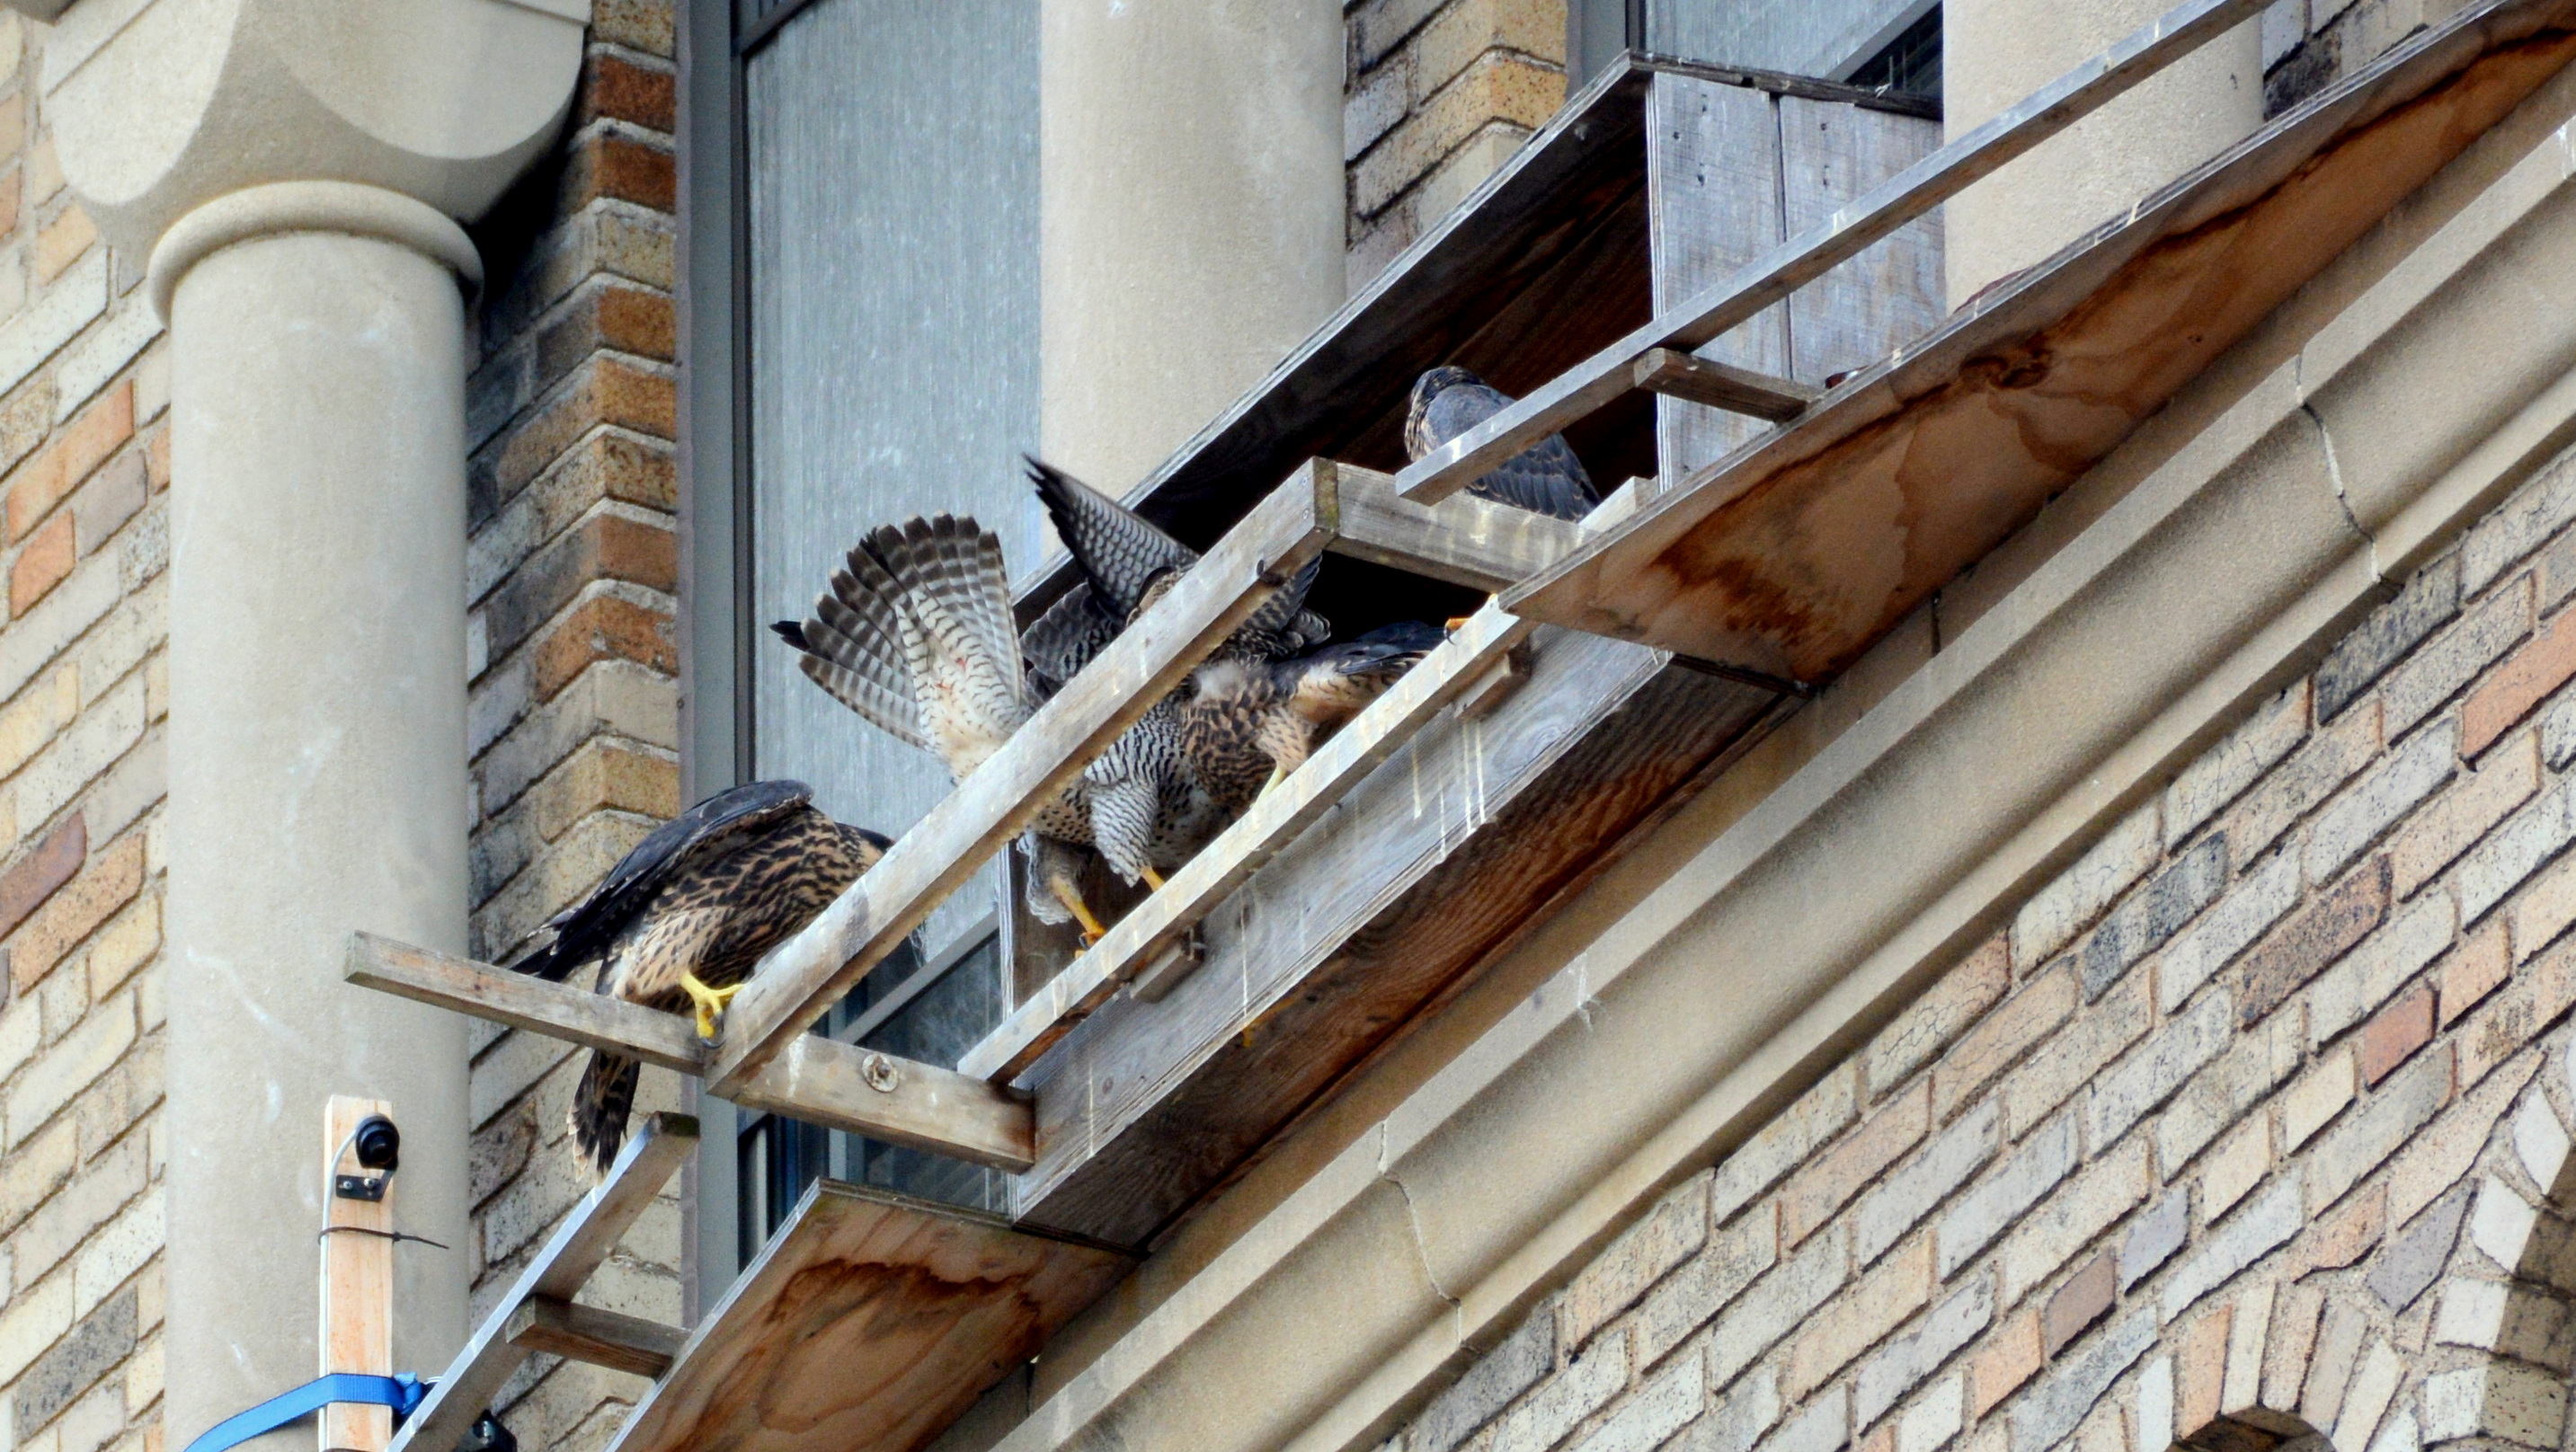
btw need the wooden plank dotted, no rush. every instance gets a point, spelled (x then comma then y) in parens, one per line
(588, 1233)
(1315, 788)
(1723, 386)
(1895, 291)
(1935, 179)
(820, 1080)
(1796, 553)
(357, 1285)
(1462, 539)
(1712, 205)
(1430, 865)
(590, 1334)
(869, 1323)
(901, 1101)
(811, 971)
(556, 1010)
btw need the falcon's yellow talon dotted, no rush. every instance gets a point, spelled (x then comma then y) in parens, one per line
(1092, 931)
(1458, 622)
(710, 1002)
(1278, 774)
(1153, 879)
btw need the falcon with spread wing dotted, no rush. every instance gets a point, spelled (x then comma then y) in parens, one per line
(685, 917)
(915, 636)
(1544, 478)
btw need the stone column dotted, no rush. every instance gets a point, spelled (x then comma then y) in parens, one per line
(1995, 52)
(1192, 214)
(295, 172)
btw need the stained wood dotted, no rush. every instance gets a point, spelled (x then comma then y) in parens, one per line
(819, 1080)
(591, 1334)
(1483, 545)
(1793, 555)
(357, 1285)
(1713, 206)
(1225, 864)
(810, 972)
(1323, 955)
(1756, 286)
(1722, 386)
(556, 1010)
(900, 1101)
(588, 1233)
(869, 1323)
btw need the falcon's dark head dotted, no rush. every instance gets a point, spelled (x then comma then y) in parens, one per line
(1157, 585)
(1417, 435)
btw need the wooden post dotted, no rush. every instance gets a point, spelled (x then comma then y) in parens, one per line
(357, 1284)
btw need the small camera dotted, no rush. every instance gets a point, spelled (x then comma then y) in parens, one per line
(378, 1146)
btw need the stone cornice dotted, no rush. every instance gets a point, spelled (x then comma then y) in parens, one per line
(308, 206)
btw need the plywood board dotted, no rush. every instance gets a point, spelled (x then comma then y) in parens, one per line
(1713, 204)
(1891, 294)
(868, 1324)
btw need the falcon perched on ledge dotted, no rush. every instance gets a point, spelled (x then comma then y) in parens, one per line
(1247, 724)
(1544, 478)
(685, 917)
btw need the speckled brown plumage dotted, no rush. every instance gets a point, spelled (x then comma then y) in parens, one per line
(706, 896)
(1245, 722)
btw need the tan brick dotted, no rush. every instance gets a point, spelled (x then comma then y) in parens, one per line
(2073, 1217)
(2075, 1306)
(2438, 1156)
(1497, 87)
(2292, 1337)
(2473, 970)
(13, 128)
(41, 565)
(2001, 1365)
(1462, 33)
(31, 720)
(125, 945)
(2200, 1369)
(2343, 1235)
(1816, 1192)
(1671, 1233)
(1930, 1022)
(606, 390)
(2311, 938)
(2236, 1166)
(2310, 774)
(61, 242)
(2510, 1019)
(156, 461)
(44, 169)
(110, 882)
(2391, 1038)
(604, 628)
(2461, 815)
(2066, 1061)
(2522, 681)
(2317, 1097)
(1854, 1320)
(2000, 1037)
(47, 479)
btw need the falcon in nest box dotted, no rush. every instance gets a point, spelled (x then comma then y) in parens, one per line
(1247, 723)
(684, 918)
(1544, 478)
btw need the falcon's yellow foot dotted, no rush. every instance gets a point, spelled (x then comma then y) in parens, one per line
(710, 1001)
(1092, 931)
(1278, 774)
(1457, 623)
(1153, 879)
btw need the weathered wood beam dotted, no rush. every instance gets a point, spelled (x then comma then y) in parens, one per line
(570, 1255)
(611, 1339)
(1462, 539)
(821, 1081)
(1580, 390)
(1140, 938)
(816, 968)
(901, 1101)
(1693, 379)
(593, 1020)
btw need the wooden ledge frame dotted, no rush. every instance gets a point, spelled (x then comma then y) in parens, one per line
(559, 1271)
(819, 1080)
(1606, 375)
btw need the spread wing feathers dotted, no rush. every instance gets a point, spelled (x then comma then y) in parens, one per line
(1545, 478)
(1119, 550)
(855, 654)
(1283, 626)
(1064, 639)
(712, 829)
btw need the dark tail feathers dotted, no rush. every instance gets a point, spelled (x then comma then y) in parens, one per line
(600, 1106)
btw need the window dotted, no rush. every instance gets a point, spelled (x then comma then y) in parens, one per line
(1865, 42)
(864, 348)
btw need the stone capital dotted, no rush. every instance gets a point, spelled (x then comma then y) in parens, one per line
(161, 107)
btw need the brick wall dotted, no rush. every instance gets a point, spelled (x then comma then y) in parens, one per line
(2243, 1128)
(572, 566)
(84, 441)
(1439, 93)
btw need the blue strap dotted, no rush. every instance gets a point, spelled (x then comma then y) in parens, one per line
(403, 1393)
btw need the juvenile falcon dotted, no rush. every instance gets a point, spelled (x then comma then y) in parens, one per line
(1246, 724)
(686, 916)
(1544, 478)
(915, 635)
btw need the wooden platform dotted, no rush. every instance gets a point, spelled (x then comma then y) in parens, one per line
(869, 1323)
(1796, 552)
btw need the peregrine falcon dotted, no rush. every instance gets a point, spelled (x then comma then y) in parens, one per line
(1545, 478)
(1247, 724)
(686, 916)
